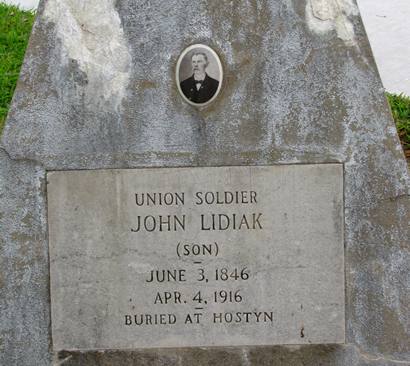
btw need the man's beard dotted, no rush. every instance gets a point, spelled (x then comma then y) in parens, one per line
(199, 74)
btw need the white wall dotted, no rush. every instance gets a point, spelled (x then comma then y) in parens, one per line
(387, 24)
(26, 4)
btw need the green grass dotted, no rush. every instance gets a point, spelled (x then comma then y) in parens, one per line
(400, 107)
(15, 28)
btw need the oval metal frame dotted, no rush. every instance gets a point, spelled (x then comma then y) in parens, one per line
(182, 55)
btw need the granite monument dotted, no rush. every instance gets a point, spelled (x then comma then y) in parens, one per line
(266, 225)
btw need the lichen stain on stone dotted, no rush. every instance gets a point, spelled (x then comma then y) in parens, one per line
(379, 273)
(146, 84)
(3, 283)
(22, 238)
(386, 156)
(328, 126)
(244, 26)
(27, 220)
(395, 335)
(91, 34)
(324, 16)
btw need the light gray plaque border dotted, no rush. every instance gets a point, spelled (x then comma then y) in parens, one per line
(222, 346)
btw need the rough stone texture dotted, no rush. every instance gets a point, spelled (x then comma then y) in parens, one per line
(297, 91)
(293, 256)
(24, 280)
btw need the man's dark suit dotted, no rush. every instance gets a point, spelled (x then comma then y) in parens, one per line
(207, 90)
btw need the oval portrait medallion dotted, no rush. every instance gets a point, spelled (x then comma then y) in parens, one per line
(199, 75)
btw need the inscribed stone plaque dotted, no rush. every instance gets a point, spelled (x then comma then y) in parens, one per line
(179, 257)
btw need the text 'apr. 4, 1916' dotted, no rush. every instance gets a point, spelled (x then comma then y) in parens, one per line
(173, 257)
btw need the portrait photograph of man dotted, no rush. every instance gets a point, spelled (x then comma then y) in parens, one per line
(199, 74)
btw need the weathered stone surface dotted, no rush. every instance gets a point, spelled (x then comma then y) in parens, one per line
(258, 356)
(301, 87)
(290, 83)
(24, 280)
(272, 271)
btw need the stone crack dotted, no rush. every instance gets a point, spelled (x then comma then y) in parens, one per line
(63, 361)
(373, 358)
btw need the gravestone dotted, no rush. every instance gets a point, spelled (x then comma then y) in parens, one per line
(205, 258)
(255, 214)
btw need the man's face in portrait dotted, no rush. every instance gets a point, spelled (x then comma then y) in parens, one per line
(199, 64)
(195, 84)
